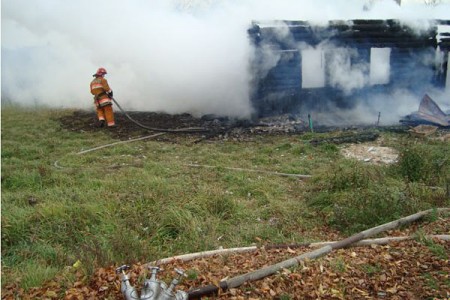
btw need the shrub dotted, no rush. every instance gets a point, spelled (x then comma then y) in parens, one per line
(222, 207)
(346, 175)
(422, 163)
(329, 148)
(356, 211)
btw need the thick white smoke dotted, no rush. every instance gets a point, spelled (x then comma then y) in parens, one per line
(174, 56)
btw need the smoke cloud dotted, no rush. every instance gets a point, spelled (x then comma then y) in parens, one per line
(344, 74)
(173, 56)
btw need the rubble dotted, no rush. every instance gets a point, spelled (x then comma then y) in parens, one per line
(372, 154)
(429, 113)
(225, 129)
(423, 130)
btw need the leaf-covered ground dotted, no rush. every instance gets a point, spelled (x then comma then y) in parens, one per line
(413, 269)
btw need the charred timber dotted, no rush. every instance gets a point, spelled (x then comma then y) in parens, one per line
(354, 138)
(381, 34)
(367, 42)
(391, 40)
(443, 22)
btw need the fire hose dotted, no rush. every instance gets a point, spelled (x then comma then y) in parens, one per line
(185, 130)
(188, 130)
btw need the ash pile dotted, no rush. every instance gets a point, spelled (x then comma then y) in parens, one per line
(234, 129)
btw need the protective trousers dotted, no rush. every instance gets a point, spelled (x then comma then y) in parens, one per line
(106, 113)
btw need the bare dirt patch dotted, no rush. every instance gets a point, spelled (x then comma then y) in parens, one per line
(86, 121)
(215, 127)
(371, 153)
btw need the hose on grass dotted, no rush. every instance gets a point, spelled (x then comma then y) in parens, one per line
(56, 163)
(186, 130)
(162, 130)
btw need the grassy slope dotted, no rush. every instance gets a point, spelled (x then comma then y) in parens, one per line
(139, 201)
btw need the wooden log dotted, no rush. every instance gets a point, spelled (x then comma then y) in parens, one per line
(228, 251)
(292, 262)
(202, 254)
(261, 273)
(362, 243)
(264, 272)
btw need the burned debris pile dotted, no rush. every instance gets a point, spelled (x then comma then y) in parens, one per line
(222, 128)
(347, 138)
(217, 127)
(429, 113)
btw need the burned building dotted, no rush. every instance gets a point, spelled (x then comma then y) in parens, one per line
(298, 64)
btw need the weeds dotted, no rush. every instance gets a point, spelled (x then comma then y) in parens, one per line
(338, 265)
(431, 281)
(222, 207)
(423, 162)
(285, 297)
(355, 196)
(437, 249)
(371, 269)
(192, 274)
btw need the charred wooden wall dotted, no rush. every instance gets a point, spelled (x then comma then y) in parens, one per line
(279, 89)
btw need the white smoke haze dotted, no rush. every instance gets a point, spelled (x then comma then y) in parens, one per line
(313, 67)
(269, 59)
(379, 65)
(173, 56)
(388, 107)
(344, 74)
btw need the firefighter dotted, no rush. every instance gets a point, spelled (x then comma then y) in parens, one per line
(102, 98)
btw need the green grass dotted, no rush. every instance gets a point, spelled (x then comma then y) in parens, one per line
(141, 201)
(354, 196)
(437, 249)
(431, 281)
(338, 265)
(371, 269)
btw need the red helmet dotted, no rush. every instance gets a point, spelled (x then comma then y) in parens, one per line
(101, 72)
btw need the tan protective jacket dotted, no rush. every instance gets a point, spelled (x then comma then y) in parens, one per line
(99, 88)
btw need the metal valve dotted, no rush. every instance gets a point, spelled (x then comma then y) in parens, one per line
(153, 289)
(180, 295)
(122, 269)
(154, 270)
(152, 286)
(176, 280)
(126, 288)
(180, 272)
(168, 294)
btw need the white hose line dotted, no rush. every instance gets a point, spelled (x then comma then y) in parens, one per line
(250, 170)
(366, 242)
(56, 163)
(121, 142)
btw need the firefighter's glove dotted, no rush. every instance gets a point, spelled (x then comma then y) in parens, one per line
(110, 94)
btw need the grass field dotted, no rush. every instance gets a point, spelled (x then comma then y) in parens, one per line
(141, 201)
